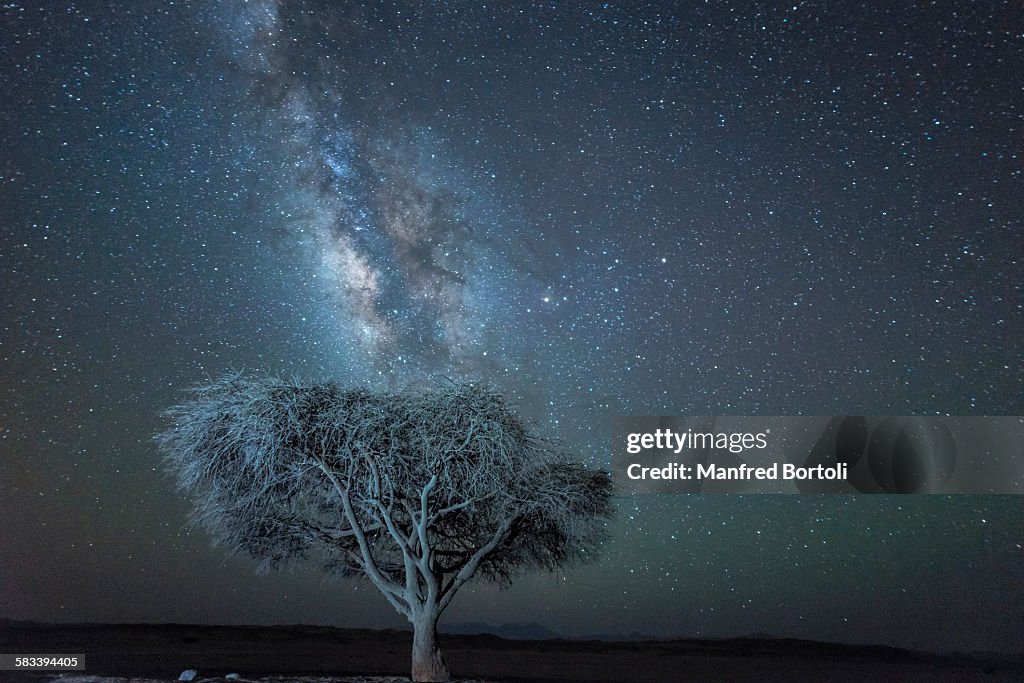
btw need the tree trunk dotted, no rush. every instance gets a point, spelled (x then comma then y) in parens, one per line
(427, 663)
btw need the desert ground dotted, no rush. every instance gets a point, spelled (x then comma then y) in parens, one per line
(314, 654)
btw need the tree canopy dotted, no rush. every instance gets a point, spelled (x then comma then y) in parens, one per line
(416, 490)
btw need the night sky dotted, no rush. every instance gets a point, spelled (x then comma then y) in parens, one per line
(602, 208)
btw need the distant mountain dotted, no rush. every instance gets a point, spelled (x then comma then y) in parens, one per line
(535, 631)
(633, 637)
(16, 623)
(530, 631)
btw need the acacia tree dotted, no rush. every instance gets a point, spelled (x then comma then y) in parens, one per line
(417, 491)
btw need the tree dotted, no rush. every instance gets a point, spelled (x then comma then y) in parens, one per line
(417, 491)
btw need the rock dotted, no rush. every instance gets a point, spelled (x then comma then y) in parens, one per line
(232, 677)
(188, 675)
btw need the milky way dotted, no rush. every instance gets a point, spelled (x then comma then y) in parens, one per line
(406, 265)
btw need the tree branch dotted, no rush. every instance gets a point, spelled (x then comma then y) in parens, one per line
(471, 566)
(391, 590)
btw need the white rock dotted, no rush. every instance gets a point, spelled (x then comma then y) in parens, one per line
(188, 675)
(232, 677)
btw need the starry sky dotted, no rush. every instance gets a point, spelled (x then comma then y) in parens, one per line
(726, 208)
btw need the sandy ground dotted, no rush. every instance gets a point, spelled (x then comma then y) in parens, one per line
(311, 654)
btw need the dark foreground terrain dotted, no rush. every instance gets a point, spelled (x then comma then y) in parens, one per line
(315, 653)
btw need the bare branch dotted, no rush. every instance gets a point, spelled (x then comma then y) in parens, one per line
(392, 591)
